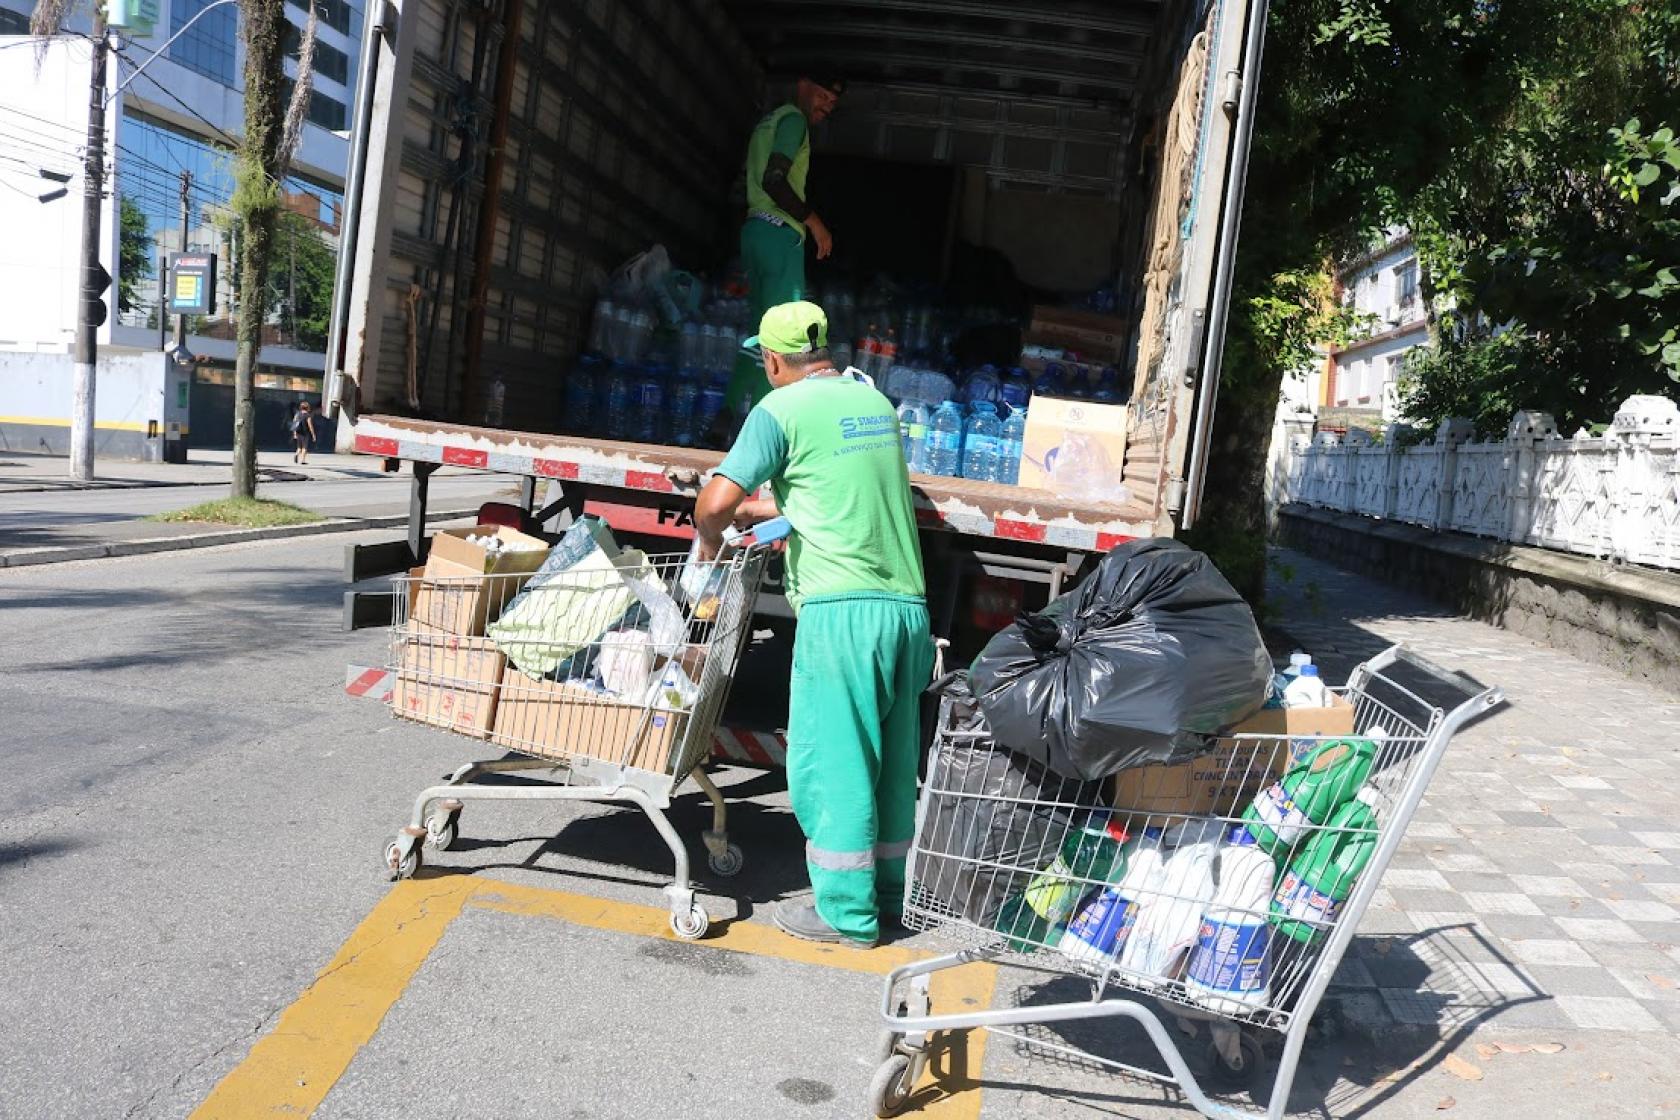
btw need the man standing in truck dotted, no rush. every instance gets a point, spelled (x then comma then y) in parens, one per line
(829, 447)
(778, 217)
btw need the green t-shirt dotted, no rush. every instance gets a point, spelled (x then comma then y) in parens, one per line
(783, 130)
(830, 448)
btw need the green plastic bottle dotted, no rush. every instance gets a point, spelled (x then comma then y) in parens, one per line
(1033, 919)
(1324, 871)
(1321, 781)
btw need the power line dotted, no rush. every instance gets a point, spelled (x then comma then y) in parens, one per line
(169, 93)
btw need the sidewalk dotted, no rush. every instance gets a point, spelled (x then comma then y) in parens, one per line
(22, 472)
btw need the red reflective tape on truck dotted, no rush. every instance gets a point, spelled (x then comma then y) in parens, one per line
(465, 457)
(648, 480)
(1106, 541)
(675, 522)
(1018, 530)
(555, 468)
(376, 445)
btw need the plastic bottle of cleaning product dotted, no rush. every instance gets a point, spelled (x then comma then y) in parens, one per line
(1322, 874)
(944, 440)
(1306, 690)
(1169, 922)
(1100, 929)
(1230, 970)
(1035, 917)
(1321, 781)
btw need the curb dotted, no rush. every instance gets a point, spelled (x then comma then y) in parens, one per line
(33, 557)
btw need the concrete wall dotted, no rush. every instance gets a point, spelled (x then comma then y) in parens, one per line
(1620, 616)
(132, 392)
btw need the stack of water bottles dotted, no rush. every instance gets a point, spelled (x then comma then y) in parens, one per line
(980, 436)
(633, 384)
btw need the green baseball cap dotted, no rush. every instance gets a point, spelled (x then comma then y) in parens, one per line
(791, 328)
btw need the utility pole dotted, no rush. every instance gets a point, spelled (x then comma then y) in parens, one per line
(90, 311)
(186, 224)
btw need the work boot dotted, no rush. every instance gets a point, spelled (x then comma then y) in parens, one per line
(800, 919)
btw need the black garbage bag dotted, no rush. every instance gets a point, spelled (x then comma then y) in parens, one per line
(991, 821)
(1143, 662)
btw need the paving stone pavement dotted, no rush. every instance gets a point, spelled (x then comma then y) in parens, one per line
(1539, 885)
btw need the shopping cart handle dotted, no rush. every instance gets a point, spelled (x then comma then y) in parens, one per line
(764, 533)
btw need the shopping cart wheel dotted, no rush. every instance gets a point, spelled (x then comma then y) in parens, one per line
(402, 864)
(1244, 1073)
(727, 863)
(691, 926)
(889, 1092)
(442, 830)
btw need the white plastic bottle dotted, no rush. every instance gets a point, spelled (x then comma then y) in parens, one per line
(1230, 970)
(1100, 927)
(1168, 922)
(1306, 690)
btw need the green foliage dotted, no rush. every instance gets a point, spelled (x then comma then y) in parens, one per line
(134, 253)
(248, 513)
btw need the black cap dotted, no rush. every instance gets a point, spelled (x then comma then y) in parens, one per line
(833, 83)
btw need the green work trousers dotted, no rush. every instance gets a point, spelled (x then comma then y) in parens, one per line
(774, 257)
(860, 664)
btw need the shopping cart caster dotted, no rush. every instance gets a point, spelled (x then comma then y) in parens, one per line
(691, 926)
(442, 827)
(402, 855)
(1242, 1070)
(892, 1085)
(728, 862)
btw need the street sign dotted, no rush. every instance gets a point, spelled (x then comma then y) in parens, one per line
(192, 283)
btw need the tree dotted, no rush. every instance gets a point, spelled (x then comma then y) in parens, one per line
(271, 132)
(134, 253)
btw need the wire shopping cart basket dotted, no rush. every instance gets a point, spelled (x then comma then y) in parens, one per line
(610, 675)
(1228, 900)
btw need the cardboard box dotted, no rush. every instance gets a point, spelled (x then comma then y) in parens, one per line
(549, 719)
(447, 680)
(1097, 429)
(1225, 780)
(1093, 336)
(464, 586)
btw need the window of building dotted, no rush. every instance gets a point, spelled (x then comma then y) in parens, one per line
(330, 62)
(1406, 283)
(13, 23)
(328, 112)
(208, 45)
(342, 17)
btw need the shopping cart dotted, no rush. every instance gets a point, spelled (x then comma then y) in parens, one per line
(1003, 847)
(610, 676)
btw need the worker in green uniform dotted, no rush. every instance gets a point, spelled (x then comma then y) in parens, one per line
(828, 445)
(778, 217)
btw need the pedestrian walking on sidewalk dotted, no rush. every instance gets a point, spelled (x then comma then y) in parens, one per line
(828, 445)
(303, 432)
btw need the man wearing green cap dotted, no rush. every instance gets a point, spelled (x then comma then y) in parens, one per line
(778, 217)
(828, 445)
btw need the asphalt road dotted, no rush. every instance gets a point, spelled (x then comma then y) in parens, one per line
(194, 919)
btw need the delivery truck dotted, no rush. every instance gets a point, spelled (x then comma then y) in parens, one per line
(508, 155)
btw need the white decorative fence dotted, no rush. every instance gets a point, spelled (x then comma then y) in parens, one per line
(1615, 496)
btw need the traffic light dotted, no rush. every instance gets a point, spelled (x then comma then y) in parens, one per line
(94, 282)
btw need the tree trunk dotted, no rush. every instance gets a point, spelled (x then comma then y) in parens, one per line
(1232, 527)
(256, 201)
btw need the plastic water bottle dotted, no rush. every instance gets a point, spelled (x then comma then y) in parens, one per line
(1108, 387)
(1319, 782)
(1012, 446)
(641, 334)
(1104, 921)
(982, 386)
(912, 427)
(1015, 390)
(981, 440)
(1306, 690)
(600, 327)
(688, 347)
(685, 407)
(945, 440)
(618, 402)
(1168, 923)
(1049, 382)
(888, 355)
(619, 335)
(650, 405)
(711, 398)
(581, 392)
(1320, 878)
(1230, 970)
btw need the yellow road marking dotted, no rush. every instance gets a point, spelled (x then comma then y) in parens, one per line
(290, 1070)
